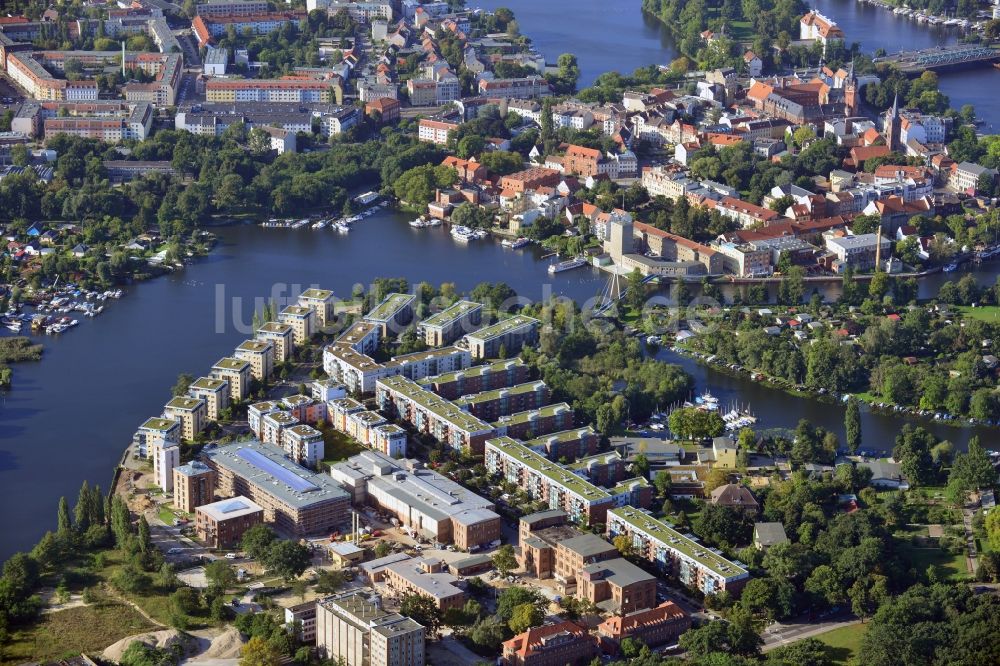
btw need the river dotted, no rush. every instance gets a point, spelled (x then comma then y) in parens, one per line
(618, 36)
(70, 416)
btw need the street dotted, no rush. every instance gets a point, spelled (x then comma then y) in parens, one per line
(779, 634)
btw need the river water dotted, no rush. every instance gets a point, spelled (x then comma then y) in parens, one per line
(70, 416)
(618, 36)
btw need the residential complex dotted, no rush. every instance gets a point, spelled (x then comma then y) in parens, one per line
(429, 413)
(450, 324)
(215, 393)
(435, 507)
(237, 372)
(682, 557)
(296, 501)
(392, 314)
(508, 335)
(496, 375)
(194, 485)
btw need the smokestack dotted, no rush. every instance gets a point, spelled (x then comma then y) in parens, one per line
(123, 59)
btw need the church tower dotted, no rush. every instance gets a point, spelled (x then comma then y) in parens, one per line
(891, 126)
(851, 93)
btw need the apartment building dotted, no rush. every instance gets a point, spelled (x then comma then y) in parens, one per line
(496, 375)
(231, 7)
(559, 551)
(434, 506)
(108, 121)
(191, 412)
(320, 301)
(857, 251)
(155, 431)
(536, 422)
(363, 12)
(393, 314)
(362, 337)
(743, 260)
(747, 214)
(672, 247)
(194, 485)
(573, 445)
(604, 469)
(302, 320)
(273, 425)
(431, 414)
(370, 428)
(222, 524)
(616, 585)
(450, 324)
(237, 372)
(681, 557)
(546, 481)
(269, 90)
(166, 457)
(208, 27)
(435, 130)
(491, 405)
(559, 644)
(508, 335)
(305, 408)
(260, 355)
(303, 444)
(355, 630)
(517, 88)
(359, 372)
(215, 393)
(296, 501)
(654, 627)
(281, 336)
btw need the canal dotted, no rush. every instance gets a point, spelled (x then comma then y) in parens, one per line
(618, 36)
(70, 416)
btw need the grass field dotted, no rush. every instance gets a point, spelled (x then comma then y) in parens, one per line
(987, 313)
(337, 446)
(72, 631)
(923, 559)
(843, 644)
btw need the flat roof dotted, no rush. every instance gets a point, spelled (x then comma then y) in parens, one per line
(619, 571)
(234, 507)
(658, 530)
(389, 306)
(451, 313)
(185, 403)
(275, 327)
(474, 371)
(315, 294)
(542, 412)
(432, 402)
(435, 585)
(554, 472)
(415, 357)
(233, 364)
(161, 424)
(267, 468)
(564, 436)
(358, 331)
(208, 383)
(587, 545)
(193, 468)
(496, 394)
(255, 346)
(503, 327)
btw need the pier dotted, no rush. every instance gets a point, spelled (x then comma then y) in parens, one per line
(942, 58)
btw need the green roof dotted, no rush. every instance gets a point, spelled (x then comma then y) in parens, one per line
(658, 530)
(413, 357)
(389, 306)
(503, 327)
(451, 313)
(316, 294)
(296, 310)
(624, 486)
(581, 463)
(432, 402)
(275, 327)
(554, 472)
(157, 423)
(496, 394)
(566, 436)
(523, 417)
(185, 403)
(255, 346)
(207, 383)
(230, 363)
(475, 371)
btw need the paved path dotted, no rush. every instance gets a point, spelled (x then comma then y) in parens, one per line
(971, 559)
(782, 634)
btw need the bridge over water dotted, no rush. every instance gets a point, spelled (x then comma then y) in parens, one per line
(943, 58)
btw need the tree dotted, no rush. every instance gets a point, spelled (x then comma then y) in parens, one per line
(140, 654)
(504, 560)
(258, 141)
(693, 423)
(288, 559)
(257, 541)
(259, 652)
(992, 525)
(220, 575)
(422, 610)
(662, 483)
(329, 581)
(64, 522)
(624, 545)
(512, 597)
(852, 424)
(184, 381)
(524, 617)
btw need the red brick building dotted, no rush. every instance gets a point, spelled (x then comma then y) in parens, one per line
(557, 644)
(384, 108)
(653, 626)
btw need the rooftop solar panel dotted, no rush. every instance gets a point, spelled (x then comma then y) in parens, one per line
(235, 505)
(286, 476)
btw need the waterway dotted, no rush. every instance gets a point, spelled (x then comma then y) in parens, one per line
(619, 37)
(70, 416)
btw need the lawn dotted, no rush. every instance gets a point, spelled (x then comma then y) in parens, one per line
(843, 644)
(987, 313)
(923, 559)
(72, 631)
(337, 446)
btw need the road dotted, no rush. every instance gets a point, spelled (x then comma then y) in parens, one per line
(779, 634)
(971, 558)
